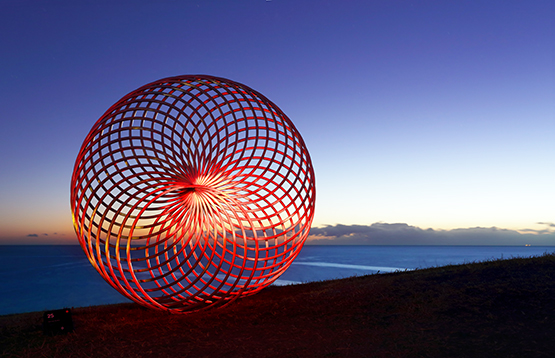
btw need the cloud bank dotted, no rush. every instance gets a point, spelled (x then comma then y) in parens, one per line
(39, 239)
(376, 234)
(404, 234)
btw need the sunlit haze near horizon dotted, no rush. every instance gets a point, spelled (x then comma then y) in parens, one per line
(434, 114)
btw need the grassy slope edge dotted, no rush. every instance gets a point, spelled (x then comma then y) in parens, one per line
(498, 308)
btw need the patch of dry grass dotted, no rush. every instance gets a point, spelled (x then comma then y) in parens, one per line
(501, 308)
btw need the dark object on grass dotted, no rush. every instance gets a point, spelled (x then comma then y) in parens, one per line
(57, 322)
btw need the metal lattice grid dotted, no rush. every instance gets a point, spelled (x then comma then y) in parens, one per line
(192, 191)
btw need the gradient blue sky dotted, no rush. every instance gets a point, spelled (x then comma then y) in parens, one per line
(438, 114)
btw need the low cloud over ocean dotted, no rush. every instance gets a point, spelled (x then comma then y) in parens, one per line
(404, 234)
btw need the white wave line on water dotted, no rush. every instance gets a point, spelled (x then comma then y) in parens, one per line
(355, 267)
(280, 282)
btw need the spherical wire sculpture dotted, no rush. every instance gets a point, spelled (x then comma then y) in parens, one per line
(192, 191)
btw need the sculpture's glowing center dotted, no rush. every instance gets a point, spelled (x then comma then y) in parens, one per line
(198, 196)
(203, 192)
(192, 191)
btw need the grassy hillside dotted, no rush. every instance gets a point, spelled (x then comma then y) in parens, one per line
(502, 308)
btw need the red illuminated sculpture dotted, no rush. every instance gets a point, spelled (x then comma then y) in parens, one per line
(192, 191)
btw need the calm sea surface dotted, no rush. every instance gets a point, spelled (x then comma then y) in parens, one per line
(38, 278)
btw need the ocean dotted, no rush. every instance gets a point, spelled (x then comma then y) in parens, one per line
(39, 278)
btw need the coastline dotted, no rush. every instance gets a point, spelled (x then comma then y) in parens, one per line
(54, 277)
(495, 308)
